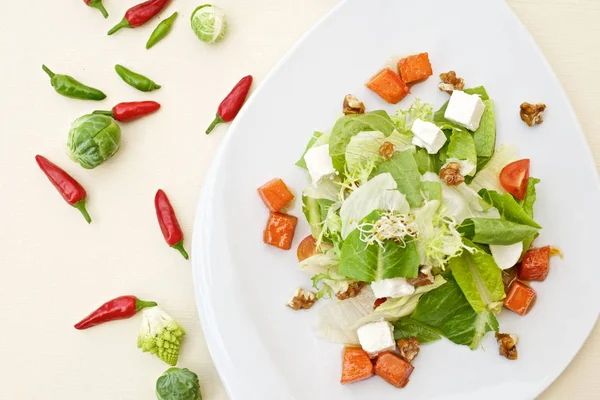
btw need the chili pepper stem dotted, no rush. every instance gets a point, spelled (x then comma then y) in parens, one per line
(139, 304)
(215, 122)
(104, 112)
(80, 205)
(179, 246)
(98, 5)
(123, 24)
(47, 70)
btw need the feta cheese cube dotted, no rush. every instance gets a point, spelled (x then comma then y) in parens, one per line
(319, 163)
(393, 287)
(428, 136)
(465, 109)
(506, 256)
(376, 337)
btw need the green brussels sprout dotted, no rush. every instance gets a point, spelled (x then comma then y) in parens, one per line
(178, 384)
(208, 23)
(93, 139)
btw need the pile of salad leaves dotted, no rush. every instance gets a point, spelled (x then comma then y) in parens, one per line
(354, 215)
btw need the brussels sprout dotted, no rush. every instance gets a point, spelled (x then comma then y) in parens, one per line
(178, 384)
(93, 139)
(208, 23)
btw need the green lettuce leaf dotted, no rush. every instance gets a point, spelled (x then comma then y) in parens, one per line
(488, 177)
(315, 211)
(426, 162)
(508, 207)
(350, 125)
(485, 135)
(432, 190)
(404, 170)
(363, 148)
(443, 123)
(462, 147)
(461, 202)
(392, 309)
(317, 139)
(406, 328)
(530, 196)
(370, 263)
(479, 278)
(480, 90)
(446, 311)
(495, 231)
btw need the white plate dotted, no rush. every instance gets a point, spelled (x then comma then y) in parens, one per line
(262, 349)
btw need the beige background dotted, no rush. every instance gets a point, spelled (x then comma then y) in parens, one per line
(55, 269)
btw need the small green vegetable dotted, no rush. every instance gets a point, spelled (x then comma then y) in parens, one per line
(70, 87)
(208, 23)
(140, 82)
(178, 384)
(160, 335)
(161, 30)
(93, 139)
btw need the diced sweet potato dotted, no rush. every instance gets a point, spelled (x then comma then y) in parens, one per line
(535, 264)
(356, 365)
(388, 85)
(280, 230)
(520, 298)
(275, 194)
(393, 369)
(415, 68)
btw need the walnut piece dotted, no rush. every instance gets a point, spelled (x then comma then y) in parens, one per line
(302, 300)
(352, 105)
(408, 348)
(508, 345)
(353, 290)
(422, 280)
(451, 82)
(532, 114)
(387, 150)
(451, 174)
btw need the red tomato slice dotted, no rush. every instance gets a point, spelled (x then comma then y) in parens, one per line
(514, 178)
(307, 248)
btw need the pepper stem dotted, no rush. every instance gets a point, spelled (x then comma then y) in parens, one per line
(47, 70)
(98, 5)
(179, 246)
(104, 112)
(123, 24)
(139, 304)
(215, 122)
(80, 205)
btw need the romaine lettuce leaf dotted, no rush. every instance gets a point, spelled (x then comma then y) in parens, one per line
(479, 278)
(350, 125)
(446, 310)
(315, 211)
(406, 328)
(426, 162)
(378, 193)
(462, 147)
(530, 196)
(317, 139)
(485, 135)
(404, 170)
(488, 177)
(495, 231)
(479, 90)
(508, 207)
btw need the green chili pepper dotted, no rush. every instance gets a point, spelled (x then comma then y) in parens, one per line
(140, 82)
(70, 87)
(161, 30)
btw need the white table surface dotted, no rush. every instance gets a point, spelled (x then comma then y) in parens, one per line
(55, 269)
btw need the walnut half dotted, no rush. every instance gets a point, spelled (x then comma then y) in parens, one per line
(451, 174)
(450, 82)
(387, 150)
(353, 290)
(508, 345)
(408, 348)
(302, 300)
(532, 114)
(352, 105)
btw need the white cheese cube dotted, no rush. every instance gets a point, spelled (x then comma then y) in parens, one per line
(376, 337)
(465, 109)
(428, 136)
(319, 163)
(393, 287)
(506, 256)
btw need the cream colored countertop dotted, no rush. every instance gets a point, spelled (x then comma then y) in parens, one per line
(55, 269)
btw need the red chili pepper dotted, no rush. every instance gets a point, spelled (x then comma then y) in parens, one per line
(140, 14)
(97, 4)
(120, 308)
(229, 108)
(69, 188)
(168, 222)
(125, 112)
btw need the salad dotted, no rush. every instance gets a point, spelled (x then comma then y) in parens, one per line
(421, 227)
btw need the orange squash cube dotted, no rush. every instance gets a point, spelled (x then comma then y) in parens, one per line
(388, 85)
(393, 369)
(520, 298)
(356, 365)
(280, 230)
(275, 194)
(415, 68)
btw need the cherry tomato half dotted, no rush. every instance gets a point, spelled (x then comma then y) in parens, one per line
(307, 248)
(514, 178)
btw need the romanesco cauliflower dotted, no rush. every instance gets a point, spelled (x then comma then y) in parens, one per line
(160, 335)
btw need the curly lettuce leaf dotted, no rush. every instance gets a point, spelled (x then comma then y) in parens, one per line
(404, 170)
(418, 109)
(495, 231)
